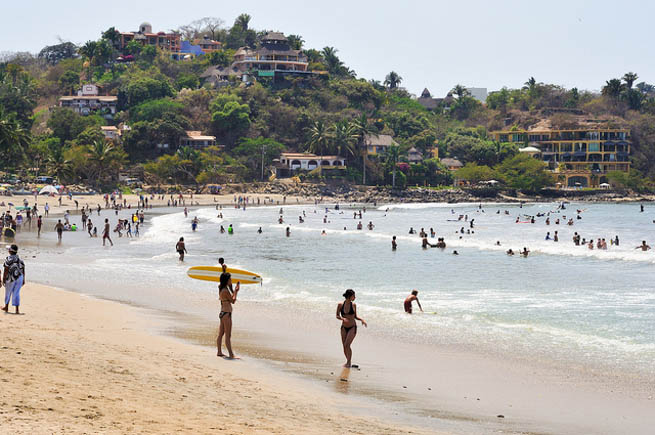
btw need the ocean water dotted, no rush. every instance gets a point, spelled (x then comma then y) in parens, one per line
(563, 302)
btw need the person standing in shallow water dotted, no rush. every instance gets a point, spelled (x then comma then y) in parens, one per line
(227, 298)
(180, 248)
(347, 313)
(13, 278)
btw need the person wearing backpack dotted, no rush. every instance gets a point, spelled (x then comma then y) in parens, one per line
(13, 278)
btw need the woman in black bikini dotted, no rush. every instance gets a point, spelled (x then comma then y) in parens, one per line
(227, 298)
(347, 313)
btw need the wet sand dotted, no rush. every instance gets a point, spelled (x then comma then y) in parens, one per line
(73, 364)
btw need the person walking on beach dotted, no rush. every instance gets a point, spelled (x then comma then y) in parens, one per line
(408, 302)
(105, 233)
(347, 313)
(60, 229)
(394, 245)
(39, 224)
(227, 298)
(13, 278)
(180, 248)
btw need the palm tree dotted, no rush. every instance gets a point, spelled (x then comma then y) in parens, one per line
(319, 139)
(629, 78)
(14, 139)
(531, 83)
(392, 154)
(460, 91)
(242, 21)
(332, 61)
(360, 129)
(344, 138)
(57, 163)
(103, 157)
(613, 88)
(392, 80)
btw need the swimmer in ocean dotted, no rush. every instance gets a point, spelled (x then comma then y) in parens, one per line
(644, 247)
(408, 302)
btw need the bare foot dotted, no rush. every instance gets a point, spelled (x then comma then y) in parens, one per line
(347, 365)
(219, 354)
(232, 357)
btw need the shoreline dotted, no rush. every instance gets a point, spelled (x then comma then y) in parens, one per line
(509, 388)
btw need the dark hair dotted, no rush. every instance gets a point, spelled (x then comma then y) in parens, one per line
(220, 260)
(181, 239)
(224, 279)
(349, 293)
(414, 292)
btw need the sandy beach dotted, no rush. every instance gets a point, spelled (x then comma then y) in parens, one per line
(74, 364)
(132, 200)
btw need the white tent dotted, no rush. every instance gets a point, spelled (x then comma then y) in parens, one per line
(47, 190)
(604, 185)
(529, 150)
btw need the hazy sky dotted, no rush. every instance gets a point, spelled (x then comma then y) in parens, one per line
(434, 44)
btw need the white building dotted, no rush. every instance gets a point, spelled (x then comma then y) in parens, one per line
(111, 132)
(87, 101)
(308, 162)
(196, 140)
(479, 94)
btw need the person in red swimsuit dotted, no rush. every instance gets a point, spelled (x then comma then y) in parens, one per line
(410, 299)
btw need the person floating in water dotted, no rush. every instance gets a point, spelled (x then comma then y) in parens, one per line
(259, 231)
(194, 223)
(180, 248)
(525, 252)
(510, 252)
(230, 230)
(347, 313)
(408, 302)
(643, 246)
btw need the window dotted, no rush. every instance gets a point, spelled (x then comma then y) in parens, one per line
(594, 146)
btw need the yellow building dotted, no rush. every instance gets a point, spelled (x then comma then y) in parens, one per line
(581, 157)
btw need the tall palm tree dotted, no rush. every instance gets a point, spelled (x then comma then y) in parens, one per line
(392, 80)
(531, 83)
(344, 139)
(243, 21)
(629, 78)
(14, 139)
(613, 88)
(460, 91)
(57, 163)
(392, 154)
(319, 139)
(104, 157)
(332, 61)
(361, 128)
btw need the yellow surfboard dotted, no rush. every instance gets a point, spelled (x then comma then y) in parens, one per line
(213, 273)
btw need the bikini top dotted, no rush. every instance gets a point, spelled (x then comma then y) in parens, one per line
(343, 312)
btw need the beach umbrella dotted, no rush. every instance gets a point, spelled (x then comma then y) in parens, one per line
(48, 190)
